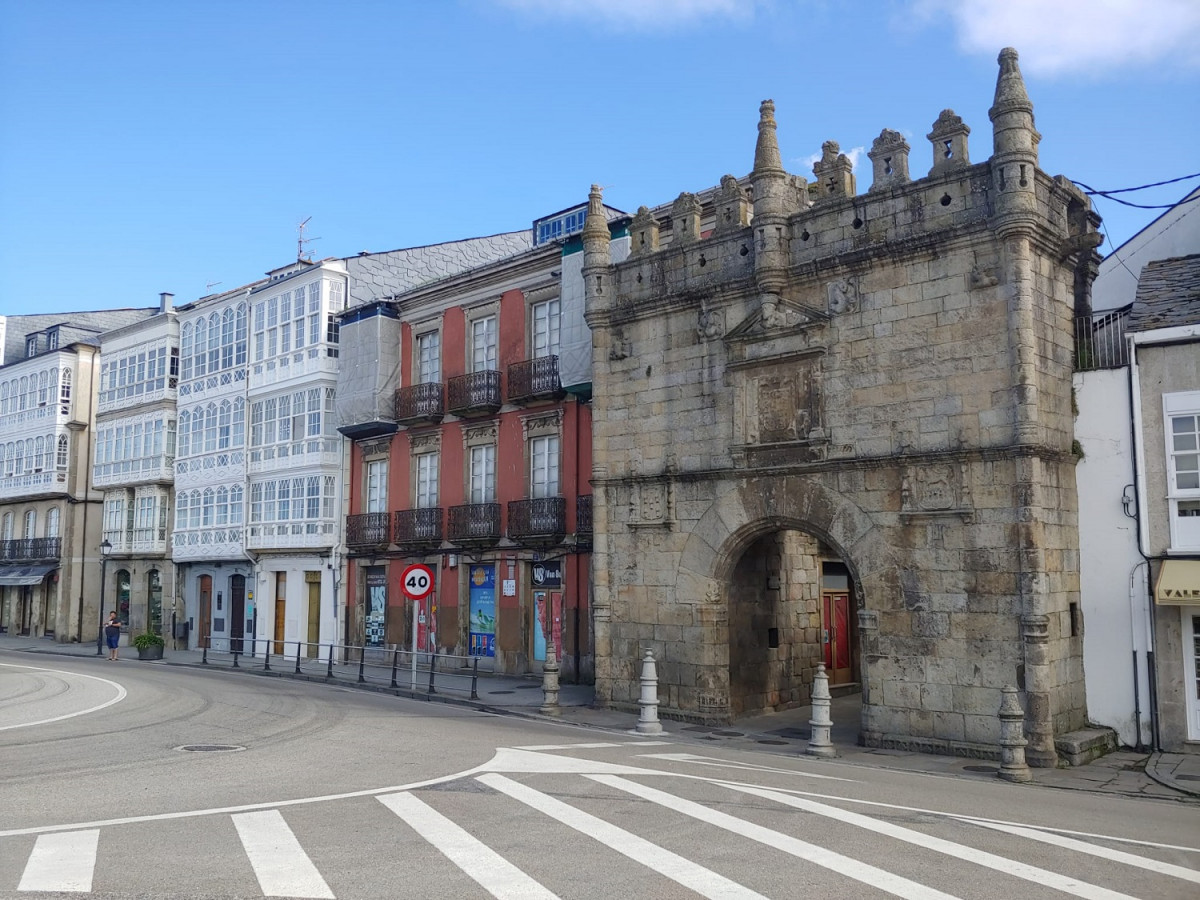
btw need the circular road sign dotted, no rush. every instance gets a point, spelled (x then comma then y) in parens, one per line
(417, 582)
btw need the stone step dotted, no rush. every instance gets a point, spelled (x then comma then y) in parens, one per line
(1078, 748)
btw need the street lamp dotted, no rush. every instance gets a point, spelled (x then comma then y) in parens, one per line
(105, 547)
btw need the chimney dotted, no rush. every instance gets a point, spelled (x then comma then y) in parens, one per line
(164, 302)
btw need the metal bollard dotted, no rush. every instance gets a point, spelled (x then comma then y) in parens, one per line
(432, 669)
(329, 669)
(550, 682)
(235, 656)
(819, 743)
(204, 657)
(1012, 738)
(395, 657)
(475, 678)
(267, 658)
(298, 646)
(362, 664)
(647, 722)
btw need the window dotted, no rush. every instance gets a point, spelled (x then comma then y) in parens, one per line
(146, 519)
(52, 522)
(31, 345)
(200, 358)
(30, 525)
(484, 341)
(1182, 419)
(114, 519)
(185, 351)
(52, 339)
(427, 480)
(60, 456)
(239, 335)
(7, 533)
(482, 476)
(429, 357)
(377, 473)
(545, 328)
(64, 391)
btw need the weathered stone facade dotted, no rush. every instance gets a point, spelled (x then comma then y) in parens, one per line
(798, 371)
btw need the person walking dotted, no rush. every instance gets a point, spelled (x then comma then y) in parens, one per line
(112, 634)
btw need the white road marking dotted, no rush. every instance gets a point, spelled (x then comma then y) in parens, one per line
(83, 712)
(843, 865)
(282, 867)
(485, 866)
(959, 851)
(540, 747)
(727, 764)
(703, 881)
(1141, 862)
(62, 862)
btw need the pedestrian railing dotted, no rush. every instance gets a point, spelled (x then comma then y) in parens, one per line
(421, 672)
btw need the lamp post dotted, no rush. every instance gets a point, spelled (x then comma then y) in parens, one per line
(105, 547)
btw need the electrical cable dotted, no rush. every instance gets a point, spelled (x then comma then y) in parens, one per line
(1108, 195)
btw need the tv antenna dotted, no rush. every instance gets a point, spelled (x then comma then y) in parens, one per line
(212, 284)
(302, 240)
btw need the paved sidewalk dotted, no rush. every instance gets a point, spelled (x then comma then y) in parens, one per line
(1172, 776)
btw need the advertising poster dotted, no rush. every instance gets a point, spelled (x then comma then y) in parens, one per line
(376, 606)
(482, 591)
(547, 607)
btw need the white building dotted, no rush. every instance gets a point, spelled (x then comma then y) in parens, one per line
(134, 463)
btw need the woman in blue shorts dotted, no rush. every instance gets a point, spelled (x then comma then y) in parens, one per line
(112, 634)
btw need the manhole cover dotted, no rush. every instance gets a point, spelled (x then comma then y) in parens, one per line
(501, 692)
(210, 748)
(529, 687)
(989, 770)
(775, 743)
(703, 729)
(790, 733)
(729, 733)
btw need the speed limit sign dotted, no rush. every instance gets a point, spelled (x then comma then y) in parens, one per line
(417, 582)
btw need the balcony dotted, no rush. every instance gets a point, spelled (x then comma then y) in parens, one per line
(368, 531)
(418, 529)
(1100, 340)
(476, 394)
(291, 536)
(475, 524)
(30, 549)
(583, 519)
(420, 404)
(535, 379)
(539, 521)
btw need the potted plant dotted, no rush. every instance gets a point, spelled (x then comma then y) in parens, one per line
(149, 645)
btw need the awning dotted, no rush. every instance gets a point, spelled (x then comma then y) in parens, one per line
(1178, 583)
(16, 575)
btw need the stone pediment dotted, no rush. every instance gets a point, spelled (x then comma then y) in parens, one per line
(781, 319)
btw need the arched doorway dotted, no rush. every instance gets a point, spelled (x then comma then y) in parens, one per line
(790, 608)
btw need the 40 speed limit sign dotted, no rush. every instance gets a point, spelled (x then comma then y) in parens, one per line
(417, 582)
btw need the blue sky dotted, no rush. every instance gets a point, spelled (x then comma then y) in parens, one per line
(149, 146)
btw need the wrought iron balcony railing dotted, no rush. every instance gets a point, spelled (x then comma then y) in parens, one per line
(475, 394)
(418, 527)
(420, 403)
(540, 520)
(535, 379)
(368, 531)
(1100, 340)
(31, 548)
(475, 524)
(583, 515)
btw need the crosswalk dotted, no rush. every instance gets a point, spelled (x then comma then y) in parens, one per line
(535, 824)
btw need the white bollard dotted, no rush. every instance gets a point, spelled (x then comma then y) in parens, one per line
(819, 743)
(648, 699)
(550, 682)
(1012, 738)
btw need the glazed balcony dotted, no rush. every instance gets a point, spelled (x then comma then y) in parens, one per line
(541, 521)
(420, 404)
(368, 531)
(418, 529)
(30, 549)
(474, 394)
(475, 524)
(535, 379)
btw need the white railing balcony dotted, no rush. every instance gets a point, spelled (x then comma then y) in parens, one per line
(207, 543)
(133, 471)
(223, 466)
(318, 451)
(33, 483)
(35, 420)
(291, 535)
(309, 361)
(228, 382)
(110, 402)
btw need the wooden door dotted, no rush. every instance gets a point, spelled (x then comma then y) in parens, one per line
(836, 624)
(237, 613)
(314, 615)
(204, 623)
(280, 610)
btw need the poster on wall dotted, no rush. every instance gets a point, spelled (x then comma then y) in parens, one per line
(547, 606)
(482, 594)
(376, 606)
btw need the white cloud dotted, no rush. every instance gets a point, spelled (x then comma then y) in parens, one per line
(1075, 36)
(637, 14)
(854, 154)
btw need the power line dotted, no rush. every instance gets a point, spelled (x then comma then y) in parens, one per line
(1108, 195)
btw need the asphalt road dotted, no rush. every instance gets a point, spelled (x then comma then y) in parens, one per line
(337, 793)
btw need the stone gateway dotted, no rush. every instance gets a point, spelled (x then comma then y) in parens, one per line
(837, 428)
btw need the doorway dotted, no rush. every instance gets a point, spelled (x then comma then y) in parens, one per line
(838, 631)
(237, 613)
(49, 609)
(26, 609)
(313, 582)
(204, 588)
(280, 610)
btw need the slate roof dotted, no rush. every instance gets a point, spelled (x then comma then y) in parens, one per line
(1168, 294)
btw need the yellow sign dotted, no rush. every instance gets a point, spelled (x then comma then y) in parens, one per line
(1178, 583)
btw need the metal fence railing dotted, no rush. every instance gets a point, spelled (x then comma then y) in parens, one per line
(1100, 340)
(422, 672)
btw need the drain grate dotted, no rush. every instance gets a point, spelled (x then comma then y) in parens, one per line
(501, 692)
(210, 748)
(775, 743)
(988, 770)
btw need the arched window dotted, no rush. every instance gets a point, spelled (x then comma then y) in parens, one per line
(238, 438)
(24, 387)
(222, 507)
(122, 586)
(39, 454)
(210, 428)
(224, 425)
(10, 460)
(19, 464)
(185, 351)
(201, 344)
(214, 343)
(227, 339)
(235, 505)
(64, 390)
(60, 457)
(206, 510)
(194, 511)
(181, 510)
(43, 384)
(54, 382)
(239, 356)
(4, 399)
(52, 522)
(185, 432)
(3, 458)
(7, 533)
(30, 524)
